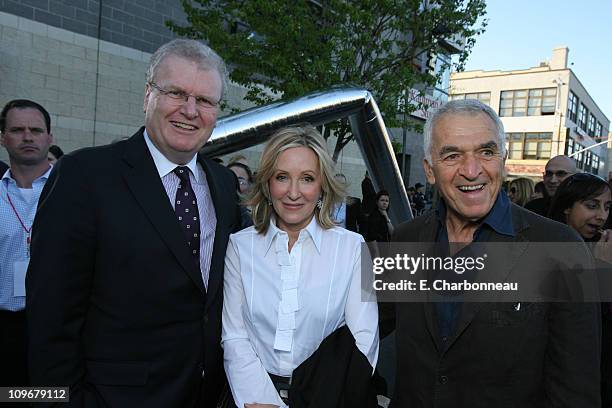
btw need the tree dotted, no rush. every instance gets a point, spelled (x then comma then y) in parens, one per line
(292, 47)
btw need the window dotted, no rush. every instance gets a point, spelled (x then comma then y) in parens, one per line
(484, 97)
(513, 103)
(532, 102)
(569, 146)
(595, 165)
(579, 158)
(591, 125)
(542, 101)
(598, 130)
(582, 117)
(572, 107)
(529, 146)
(587, 160)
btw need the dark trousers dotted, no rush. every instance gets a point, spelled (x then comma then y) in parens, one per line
(13, 354)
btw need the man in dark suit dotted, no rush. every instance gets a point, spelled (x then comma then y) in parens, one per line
(463, 354)
(125, 280)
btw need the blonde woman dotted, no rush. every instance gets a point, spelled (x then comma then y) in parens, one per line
(293, 278)
(520, 190)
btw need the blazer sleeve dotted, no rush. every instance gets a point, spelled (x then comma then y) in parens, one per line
(59, 278)
(248, 379)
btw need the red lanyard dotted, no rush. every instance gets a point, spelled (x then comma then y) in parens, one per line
(26, 229)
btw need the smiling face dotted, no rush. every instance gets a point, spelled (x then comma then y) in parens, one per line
(467, 165)
(589, 216)
(179, 129)
(25, 137)
(295, 187)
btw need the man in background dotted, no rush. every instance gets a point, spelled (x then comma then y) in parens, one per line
(25, 128)
(557, 169)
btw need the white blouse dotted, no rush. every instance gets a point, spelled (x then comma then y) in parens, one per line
(280, 305)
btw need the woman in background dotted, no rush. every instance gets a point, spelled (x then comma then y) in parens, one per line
(243, 174)
(520, 191)
(293, 278)
(583, 202)
(379, 224)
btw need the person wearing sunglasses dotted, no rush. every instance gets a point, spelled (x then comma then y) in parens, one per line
(520, 190)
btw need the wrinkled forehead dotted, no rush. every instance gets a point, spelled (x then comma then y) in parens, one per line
(464, 128)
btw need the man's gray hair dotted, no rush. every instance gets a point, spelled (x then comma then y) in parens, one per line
(462, 107)
(191, 50)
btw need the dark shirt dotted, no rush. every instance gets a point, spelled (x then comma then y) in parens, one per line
(499, 220)
(539, 206)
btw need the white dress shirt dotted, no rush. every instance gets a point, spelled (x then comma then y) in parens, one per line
(280, 305)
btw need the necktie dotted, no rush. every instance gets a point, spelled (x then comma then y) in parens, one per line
(186, 208)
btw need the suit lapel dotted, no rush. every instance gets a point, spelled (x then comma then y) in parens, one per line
(499, 271)
(215, 277)
(143, 181)
(428, 234)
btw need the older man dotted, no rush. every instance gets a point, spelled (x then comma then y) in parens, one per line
(124, 285)
(461, 354)
(557, 169)
(25, 128)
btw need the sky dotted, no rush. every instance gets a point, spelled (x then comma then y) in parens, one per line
(522, 33)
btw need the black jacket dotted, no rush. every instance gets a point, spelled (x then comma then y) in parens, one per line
(337, 375)
(116, 307)
(544, 355)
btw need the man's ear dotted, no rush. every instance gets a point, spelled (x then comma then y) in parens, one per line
(147, 93)
(429, 173)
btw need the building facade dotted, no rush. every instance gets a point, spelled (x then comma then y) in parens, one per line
(546, 112)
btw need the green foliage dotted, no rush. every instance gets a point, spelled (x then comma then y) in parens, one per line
(292, 47)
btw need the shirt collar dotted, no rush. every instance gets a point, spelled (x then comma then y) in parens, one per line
(312, 230)
(9, 177)
(165, 166)
(499, 218)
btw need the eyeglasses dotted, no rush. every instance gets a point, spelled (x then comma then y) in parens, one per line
(180, 97)
(242, 181)
(559, 173)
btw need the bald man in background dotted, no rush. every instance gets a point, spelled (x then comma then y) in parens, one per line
(557, 169)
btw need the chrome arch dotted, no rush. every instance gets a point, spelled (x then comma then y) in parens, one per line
(254, 126)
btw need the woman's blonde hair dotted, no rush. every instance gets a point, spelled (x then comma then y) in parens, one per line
(304, 135)
(524, 190)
